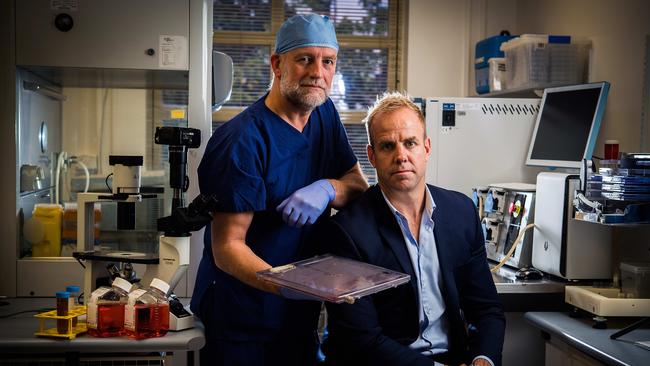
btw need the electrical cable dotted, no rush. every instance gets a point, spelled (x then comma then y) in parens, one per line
(595, 205)
(26, 311)
(106, 181)
(74, 159)
(512, 249)
(59, 165)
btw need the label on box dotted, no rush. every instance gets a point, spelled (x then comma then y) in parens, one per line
(91, 317)
(129, 309)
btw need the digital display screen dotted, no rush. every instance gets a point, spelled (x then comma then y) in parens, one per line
(564, 126)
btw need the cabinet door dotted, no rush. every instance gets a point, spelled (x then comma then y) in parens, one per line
(120, 34)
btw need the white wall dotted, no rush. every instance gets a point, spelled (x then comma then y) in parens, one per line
(438, 47)
(442, 35)
(618, 31)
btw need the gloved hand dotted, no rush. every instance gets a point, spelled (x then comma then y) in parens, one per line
(305, 205)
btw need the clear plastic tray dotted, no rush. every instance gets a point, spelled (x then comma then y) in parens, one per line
(334, 279)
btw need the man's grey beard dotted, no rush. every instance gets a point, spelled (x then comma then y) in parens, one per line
(302, 97)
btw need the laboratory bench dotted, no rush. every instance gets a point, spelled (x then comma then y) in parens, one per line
(18, 342)
(17, 332)
(517, 295)
(522, 340)
(574, 341)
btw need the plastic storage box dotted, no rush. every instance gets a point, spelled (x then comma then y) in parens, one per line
(540, 60)
(484, 52)
(635, 279)
(497, 73)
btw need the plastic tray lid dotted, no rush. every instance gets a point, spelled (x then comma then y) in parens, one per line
(334, 279)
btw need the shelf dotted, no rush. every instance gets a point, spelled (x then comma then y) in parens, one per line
(114, 256)
(527, 92)
(112, 78)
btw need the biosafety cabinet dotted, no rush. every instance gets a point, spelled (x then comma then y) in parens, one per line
(91, 79)
(117, 34)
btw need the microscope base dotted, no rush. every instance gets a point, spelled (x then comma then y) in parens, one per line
(176, 324)
(179, 317)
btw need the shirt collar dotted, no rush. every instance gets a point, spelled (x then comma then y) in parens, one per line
(429, 204)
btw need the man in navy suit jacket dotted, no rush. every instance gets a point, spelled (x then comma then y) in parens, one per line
(449, 312)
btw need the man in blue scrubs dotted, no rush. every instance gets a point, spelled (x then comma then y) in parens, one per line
(276, 168)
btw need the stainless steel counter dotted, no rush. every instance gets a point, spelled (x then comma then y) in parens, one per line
(546, 294)
(579, 333)
(506, 282)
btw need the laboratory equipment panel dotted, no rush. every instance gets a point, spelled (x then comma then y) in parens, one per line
(479, 141)
(508, 210)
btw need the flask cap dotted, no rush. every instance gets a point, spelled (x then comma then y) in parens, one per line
(72, 289)
(160, 285)
(123, 284)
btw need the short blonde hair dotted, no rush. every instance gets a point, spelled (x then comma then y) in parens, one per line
(390, 102)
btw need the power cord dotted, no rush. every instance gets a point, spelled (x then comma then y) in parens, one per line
(512, 249)
(26, 311)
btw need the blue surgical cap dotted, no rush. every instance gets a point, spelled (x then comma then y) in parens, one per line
(308, 30)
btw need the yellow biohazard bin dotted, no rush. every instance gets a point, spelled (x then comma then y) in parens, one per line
(45, 230)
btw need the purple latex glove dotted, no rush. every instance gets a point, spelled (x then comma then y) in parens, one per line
(305, 205)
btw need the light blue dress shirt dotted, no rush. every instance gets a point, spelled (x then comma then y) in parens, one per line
(434, 327)
(424, 258)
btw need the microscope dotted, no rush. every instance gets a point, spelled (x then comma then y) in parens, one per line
(174, 243)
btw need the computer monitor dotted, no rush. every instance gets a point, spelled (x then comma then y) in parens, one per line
(567, 125)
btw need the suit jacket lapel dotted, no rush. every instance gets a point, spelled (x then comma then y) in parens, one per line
(389, 229)
(443, 246)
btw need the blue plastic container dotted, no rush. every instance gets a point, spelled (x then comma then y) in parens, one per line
(485, 50)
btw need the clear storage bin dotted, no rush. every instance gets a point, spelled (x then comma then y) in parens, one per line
(497, 74)
(635, 279)
(526, 63)
(532, 61)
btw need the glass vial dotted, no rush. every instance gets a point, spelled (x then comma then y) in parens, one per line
(62, 310)
(73, 301)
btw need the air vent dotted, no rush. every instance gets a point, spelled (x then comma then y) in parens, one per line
(509, 109)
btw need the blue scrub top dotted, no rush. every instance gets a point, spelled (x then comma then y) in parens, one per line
(252, 163)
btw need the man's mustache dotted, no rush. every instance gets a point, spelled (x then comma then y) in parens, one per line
(317, 83)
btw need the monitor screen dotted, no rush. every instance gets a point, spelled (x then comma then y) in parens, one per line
(567, 125)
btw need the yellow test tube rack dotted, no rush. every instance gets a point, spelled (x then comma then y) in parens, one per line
(72, 332)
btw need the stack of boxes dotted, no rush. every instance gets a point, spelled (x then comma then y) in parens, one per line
(489, 64)
(529, 61)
